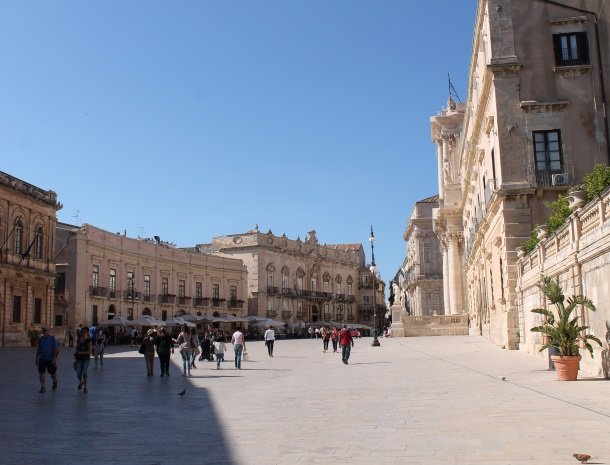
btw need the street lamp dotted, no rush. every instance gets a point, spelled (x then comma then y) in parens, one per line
(373, 273)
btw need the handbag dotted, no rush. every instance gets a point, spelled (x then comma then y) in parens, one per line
(142, 349)
(245, 356)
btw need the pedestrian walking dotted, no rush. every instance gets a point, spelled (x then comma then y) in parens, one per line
(165, 347)
(186, 345)
(134, 337)
(46, 358)
(219, 349)
(346, 342)
(334, 337)
(270, 340)
(194, 346)
(310, 332)
(325, 338)
(98, 349)
(70, 337)
(238, 341)
(148, 343)
(82, 356)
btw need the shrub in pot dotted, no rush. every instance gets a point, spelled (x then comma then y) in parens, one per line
(562, 329)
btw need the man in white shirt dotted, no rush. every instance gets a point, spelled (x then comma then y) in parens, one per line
(269, 340)
(238, 346)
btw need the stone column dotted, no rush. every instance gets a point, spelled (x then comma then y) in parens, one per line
(446, 298)
(455, 273)
(439, 160)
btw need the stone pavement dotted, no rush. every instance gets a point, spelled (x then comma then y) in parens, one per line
(432, 401)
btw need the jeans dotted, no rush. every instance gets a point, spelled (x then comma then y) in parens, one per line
(238, 348)
(270, 346)
(164, 361)
(99, 353)
(186, 361)
(334, 345)
(81, 369)
(345, 350)
(325, 344)
(219, 358)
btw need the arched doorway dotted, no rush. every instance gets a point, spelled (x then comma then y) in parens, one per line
(146, 312)
(315, 313)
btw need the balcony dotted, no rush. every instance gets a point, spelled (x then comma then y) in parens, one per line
(286, 314)
(286, 292)
(217, 302)
(271, 313)
(340, 297)
(148, 298)
(301, 293)
(328, 316)
(351, 317)
(183, 300)
(96, 291)
(272, 290)
(167, 299)
(201, 301)
(365, 308)
(545, 178)
(351, 299)
(113, 294)
(131, 295)
(235, 304)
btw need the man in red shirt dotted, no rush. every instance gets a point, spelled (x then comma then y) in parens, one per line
(346, 342)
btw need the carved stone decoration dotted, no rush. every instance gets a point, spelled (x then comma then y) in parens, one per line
(270, 268)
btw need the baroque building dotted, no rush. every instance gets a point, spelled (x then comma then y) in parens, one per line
(421, 275)
(28, 216)
(102, 275)
(302, 282)
(533, 125)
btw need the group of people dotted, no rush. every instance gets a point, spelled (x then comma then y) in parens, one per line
(89, 342)
(190, 345)
(92, 342)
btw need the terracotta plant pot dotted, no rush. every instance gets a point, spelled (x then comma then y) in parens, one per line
(566, 366)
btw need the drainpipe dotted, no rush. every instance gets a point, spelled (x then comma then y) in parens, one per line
(599, 63)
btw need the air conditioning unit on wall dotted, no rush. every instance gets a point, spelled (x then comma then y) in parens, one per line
(560, 179)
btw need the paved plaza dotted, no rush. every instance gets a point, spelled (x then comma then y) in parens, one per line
(432, 401)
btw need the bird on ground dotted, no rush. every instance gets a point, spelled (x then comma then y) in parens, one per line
(582, 458)
(181, 393)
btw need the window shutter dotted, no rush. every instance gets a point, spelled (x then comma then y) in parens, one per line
(557, 48)
(583, 48)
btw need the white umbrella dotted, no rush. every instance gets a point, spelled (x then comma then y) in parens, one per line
(116, 321)
(147, 320)
(270, 322)
(179, 321)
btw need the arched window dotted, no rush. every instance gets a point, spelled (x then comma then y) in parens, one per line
(111, 312)
(38, 251)
(146, 311)
(18, 237)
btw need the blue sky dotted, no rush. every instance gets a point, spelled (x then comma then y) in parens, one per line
(194, 119)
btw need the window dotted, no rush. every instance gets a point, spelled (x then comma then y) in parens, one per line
(300, 309)
(164, 286)
(181, 288)
(38, 244)
(284, 282)
(130, 284)
(94, 311)
(571, 49)
(18, 237)
(16, 309)
(146, 285)
(37, 311)
(198, 290)
(327, 286)
(112, 280)
(233, 293)
(349, 289)
(60, 282)
(313, 284)
(270, 280)
(365, 299)
(365, 280)
(547, 149)
(95, 277)
(215, 291)
(164, 315)
(300, 283)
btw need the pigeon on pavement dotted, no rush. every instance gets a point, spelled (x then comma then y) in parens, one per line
(181, 393)
(582, 458)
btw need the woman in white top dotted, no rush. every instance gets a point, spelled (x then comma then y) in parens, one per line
(269, 340)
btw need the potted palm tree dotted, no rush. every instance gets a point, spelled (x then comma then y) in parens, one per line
(562, 330)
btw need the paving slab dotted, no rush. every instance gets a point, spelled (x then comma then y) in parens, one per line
(428, 401)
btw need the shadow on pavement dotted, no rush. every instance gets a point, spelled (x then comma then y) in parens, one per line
(126, 417)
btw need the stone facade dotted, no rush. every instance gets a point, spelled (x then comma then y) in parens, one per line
(534, 123)
(28, 216)
(102, 275)
(302, 281)
(421, 276)
(578, 254)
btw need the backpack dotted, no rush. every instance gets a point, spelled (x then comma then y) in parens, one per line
(93, 334)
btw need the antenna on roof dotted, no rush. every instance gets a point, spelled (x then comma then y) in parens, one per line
(452, 93)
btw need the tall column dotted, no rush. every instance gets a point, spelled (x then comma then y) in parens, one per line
(439, 159)
(455, 273)
(446, 298)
